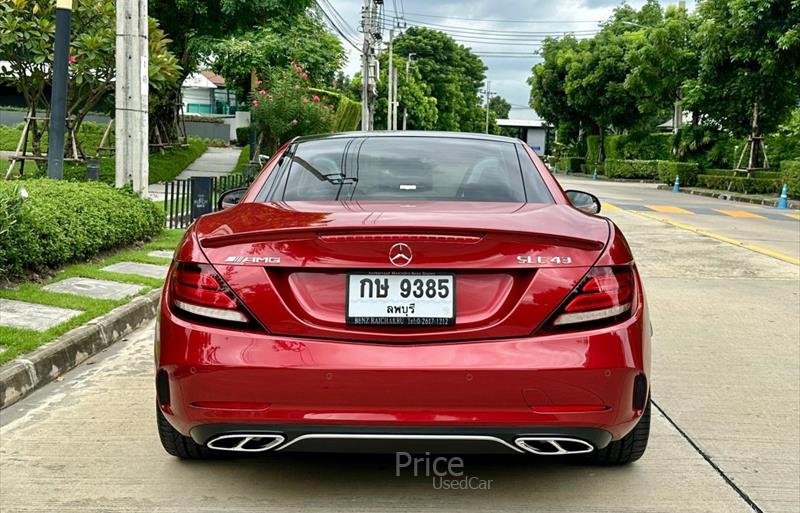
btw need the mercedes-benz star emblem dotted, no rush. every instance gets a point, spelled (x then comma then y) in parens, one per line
(400, 255)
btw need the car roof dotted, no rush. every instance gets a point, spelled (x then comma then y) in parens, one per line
(411, 133)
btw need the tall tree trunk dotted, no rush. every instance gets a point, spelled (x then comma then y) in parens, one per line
(755, 137)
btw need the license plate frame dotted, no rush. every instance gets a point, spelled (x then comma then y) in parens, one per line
(408, 319)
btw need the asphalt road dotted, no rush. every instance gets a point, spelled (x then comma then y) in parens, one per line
(725, 438)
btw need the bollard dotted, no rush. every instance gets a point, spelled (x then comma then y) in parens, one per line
(677, 186)
(594, 175)
(784, 201)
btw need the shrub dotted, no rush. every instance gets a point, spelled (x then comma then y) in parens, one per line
(62, 221)
(729, 172)
(634, 146)
(740, 184)
(203, 119)
(790, 175)
(243, 136)
(644, 169)
(668, 170)
(570, 164)
(288, 108)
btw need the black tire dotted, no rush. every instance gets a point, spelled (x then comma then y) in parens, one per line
(627, 449)
(181, 446)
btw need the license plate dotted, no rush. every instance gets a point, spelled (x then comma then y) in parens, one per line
(401, 299)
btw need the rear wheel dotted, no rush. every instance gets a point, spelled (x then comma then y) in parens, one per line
(627, 449)
(181, 446)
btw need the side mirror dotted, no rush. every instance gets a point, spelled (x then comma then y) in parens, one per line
(230, 198)
(583, 201)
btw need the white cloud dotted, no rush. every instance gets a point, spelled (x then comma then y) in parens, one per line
(470, 18)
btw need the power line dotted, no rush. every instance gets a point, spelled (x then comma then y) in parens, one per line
(335, 27)
(338, 19)
(412, 14)
(497, 32)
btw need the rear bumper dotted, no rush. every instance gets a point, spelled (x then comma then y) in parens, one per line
(218, 381)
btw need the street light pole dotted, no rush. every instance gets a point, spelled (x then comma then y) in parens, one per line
(58, 95)
(488, 93)
(409, 58)
(390, 86)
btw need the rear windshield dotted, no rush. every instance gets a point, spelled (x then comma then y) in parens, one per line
(408, 169)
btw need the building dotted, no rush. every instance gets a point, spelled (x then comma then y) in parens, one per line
(533, 131)
(204, 93)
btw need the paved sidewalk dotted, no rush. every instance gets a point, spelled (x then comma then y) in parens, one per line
(214, 162)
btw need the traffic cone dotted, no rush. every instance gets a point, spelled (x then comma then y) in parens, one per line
(677, 186)
(784, 201)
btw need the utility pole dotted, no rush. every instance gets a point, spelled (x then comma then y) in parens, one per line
(409, 58)
(58, 95)
(488, 93)
(394, 99)
(131, 92)
(390, 86)
(369, 71)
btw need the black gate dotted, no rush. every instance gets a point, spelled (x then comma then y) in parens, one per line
(186, 200)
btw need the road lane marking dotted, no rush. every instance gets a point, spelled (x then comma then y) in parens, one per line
(793, 216)
(610, 207)
(723, 238)
(740, 213)
(666, 209)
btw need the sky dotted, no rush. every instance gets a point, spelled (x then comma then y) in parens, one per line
(516, 26)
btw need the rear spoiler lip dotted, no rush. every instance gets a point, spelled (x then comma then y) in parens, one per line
(217, 241)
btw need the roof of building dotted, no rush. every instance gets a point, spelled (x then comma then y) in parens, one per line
(215, 79)
(524, 123)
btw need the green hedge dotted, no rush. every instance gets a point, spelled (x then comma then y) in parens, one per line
(729, 172)
(740, 184)
(668, 170)
(570, 164)
(634, 146)
(243, 136)
(645, 169)
(790, 175)
(62, 222)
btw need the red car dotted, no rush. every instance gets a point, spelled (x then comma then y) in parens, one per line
(404, 292)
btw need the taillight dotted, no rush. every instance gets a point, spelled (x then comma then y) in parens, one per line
(606, 294)
(197, 289)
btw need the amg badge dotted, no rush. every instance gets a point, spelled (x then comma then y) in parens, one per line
(252, 260)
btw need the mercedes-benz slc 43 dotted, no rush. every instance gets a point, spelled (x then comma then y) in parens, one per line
(420, 292)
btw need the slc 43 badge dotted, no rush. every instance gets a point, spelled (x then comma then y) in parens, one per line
(522, 260)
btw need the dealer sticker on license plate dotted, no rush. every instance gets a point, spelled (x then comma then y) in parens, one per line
(401, 299)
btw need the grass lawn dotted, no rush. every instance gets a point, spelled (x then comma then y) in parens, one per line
(19, 341)
(163, 168)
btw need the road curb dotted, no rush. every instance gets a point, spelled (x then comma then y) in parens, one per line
(23, 375)
(793, 204)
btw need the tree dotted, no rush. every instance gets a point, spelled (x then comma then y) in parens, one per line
(548, 96)
(500, 107)
(749, 69)
(662, 59)
(452, 74)
(304, 40)
(26, 43)
(194, 26)
(413, 94)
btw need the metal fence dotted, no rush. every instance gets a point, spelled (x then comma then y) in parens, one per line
(186, 200)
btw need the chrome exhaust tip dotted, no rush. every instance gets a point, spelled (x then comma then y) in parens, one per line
(245, 442)
(553, 446)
